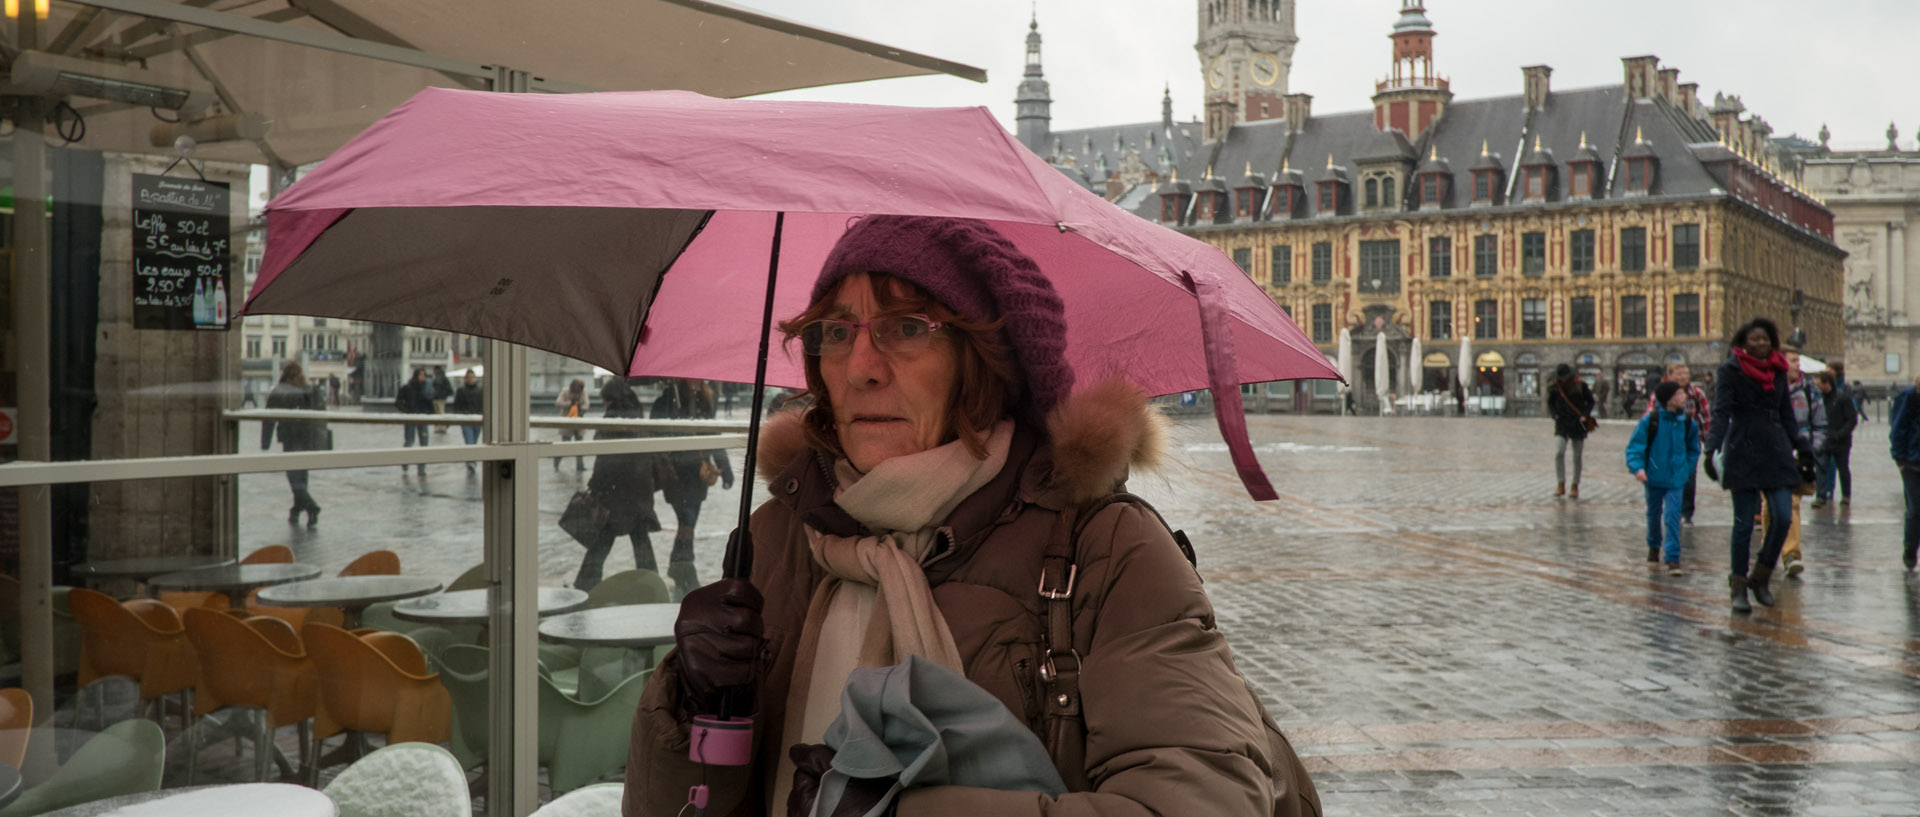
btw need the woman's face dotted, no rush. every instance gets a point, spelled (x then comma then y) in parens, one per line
(1757, 342)
(885, 405)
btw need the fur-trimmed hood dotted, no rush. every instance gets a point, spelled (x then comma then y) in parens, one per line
(1096, 437)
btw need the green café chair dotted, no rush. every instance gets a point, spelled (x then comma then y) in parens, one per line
(403, 780)
(581, 739)
(590, 671)
(629, 587)
(125, 758)
(597, 800)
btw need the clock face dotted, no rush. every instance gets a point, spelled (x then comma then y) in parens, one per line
(1217, 73)
(1266, 69)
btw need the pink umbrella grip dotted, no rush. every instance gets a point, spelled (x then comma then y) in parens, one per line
(721, 741)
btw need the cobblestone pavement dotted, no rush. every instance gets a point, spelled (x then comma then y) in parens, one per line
(1435, 632)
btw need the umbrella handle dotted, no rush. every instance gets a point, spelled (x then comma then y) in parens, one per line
(739, 561)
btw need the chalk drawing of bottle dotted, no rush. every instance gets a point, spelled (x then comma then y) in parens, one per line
(199, 302)
(219, 302)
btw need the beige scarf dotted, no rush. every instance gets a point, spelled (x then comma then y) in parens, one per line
(875, 608)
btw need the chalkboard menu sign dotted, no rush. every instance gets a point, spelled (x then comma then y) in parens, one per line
(182, 253)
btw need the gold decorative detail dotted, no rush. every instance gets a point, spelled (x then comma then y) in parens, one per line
(1583, 140)
(1483, 147)
(1249, 169)
(1329, 161)
(1536, 143)
(1435, 155)
(1639, 137)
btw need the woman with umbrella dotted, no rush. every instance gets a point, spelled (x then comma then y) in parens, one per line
(1754, 424)
(940, 475)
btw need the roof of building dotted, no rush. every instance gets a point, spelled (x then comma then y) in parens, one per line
(1100, 152)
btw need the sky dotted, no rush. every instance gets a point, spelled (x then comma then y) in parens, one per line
(1798, 64)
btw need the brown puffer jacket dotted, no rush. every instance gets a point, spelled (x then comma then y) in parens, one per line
(1171, 726)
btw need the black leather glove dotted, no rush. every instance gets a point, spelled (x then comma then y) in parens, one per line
(1806, 462)
(1706, 463)
(720, 639)
(810, 762)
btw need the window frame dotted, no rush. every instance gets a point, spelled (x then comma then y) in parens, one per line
(1486, 255)
(1580, 259)
(1381, 257)
(1691, 312)
(1486, 319)
(1633, 254)
(1281, 264)
(1440, 257)
(1440, 320)
(1322, 262)
(1533, 318)
(1633, 308)
(1576, 320)
(1533, 254)
(1686, 252)
(1320, 323)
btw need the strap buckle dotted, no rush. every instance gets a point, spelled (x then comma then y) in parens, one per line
(1073, 572)
(1049, 672)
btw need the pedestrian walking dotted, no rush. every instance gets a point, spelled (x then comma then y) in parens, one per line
(247, 397)
(442, 391)
(293, 393)
(572, 402)
(917, 505)
(1810, 413)
(1571, 405)
(333, 389)
(1661, 455)
(623, 484)
(1601, 389)
(1903, 438)
(415, 397)
(468, 399)
(1759, 440)
(1698, 408)
(1859, 392)
(1460, 398)
(1835, 454)
(693, 473)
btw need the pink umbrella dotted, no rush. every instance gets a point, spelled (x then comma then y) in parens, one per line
(637, 231)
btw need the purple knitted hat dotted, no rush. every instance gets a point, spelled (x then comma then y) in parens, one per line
(973, 270)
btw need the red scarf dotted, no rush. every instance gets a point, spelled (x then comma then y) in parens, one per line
(1762, 371)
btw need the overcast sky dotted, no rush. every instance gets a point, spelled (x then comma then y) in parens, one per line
(1797, 63)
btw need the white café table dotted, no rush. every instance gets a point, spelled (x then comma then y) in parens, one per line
(470, 606)
(249, 799)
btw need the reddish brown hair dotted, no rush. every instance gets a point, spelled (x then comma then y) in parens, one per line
(983, 379)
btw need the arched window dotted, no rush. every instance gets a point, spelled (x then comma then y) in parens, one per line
(1386, 192)
(1373, 193)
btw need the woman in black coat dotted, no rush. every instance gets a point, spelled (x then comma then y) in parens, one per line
(293, 393)
(1753, 424)
(693, 471)
(1570, 402)
(624, 485)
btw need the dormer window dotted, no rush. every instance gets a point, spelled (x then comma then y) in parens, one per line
(1639, 174)
(1430, 190)
(1328, 195)
(1643, 165)
(1373, 193)
(1170, 209)
(1581, 181)
(1246, 200)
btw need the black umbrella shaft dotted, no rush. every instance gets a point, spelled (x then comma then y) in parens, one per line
(739, 562)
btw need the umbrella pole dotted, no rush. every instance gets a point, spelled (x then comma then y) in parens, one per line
(739, 559)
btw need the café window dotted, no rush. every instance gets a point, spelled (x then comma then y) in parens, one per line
(1322, 323)
(1686, 316)
(1486, 319)
(1282, 265)
(1243, 258)
(1686, 246)
(1440, 320)
(1322, 262)
(1580, 251)
(1533, 318)
(1580, 318)
(1533, 253)
(1633, 249)
(1633, 316)
(1380, 266)
(1486, 256)
(1440, 258)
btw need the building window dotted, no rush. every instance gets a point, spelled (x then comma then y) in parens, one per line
(1430, 189)
(280, 346)
(1323, 323)
(1579, 180)
(1326, 198)
(1483, 186)
(1243, 258)
(1686, 246)
(1439, 257)
(1282, 265)
(1536, 183)
(1580, 251)
(1633, 316)
(1380, 266)
(1486, 256)
(1580, 317)
(1533, 253)
(1373, 193)
(1388, 192)
(1533, 318)
(1245, 206)
(1322, 262)
(253, 346)
(1170, 208)
(1686, 316)
(1633, 249)
(1486, 319)
(1636, 174)
(1440, 320)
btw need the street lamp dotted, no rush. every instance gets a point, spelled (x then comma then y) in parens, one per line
(40, 9)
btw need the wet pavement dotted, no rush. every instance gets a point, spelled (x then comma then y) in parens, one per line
(1435, 632)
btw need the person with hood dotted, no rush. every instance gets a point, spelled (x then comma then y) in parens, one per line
(293, 393)
(943, 491)
(693, 473)
(1755, 431)
(624, 485)
(1661, 455)
(442, 390)
(416, 397)
(1903, 438)
(1571, 405)
(1836, 454)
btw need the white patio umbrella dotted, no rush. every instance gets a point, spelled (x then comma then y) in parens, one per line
(1415, 369)
(1466, 365)
(1346, 361)
(1810, 365)
(1382, 379)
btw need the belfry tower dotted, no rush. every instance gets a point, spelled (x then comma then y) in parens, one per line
(1246, 52)
(1033, 106)
(1412, 96)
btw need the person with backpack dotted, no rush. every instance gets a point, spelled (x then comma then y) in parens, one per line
(948, 497)
(1661, 455)
(1698, 408)
(1836, 455)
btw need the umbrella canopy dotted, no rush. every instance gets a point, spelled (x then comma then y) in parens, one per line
(1809, 365)
(1382, 373)
(290, 70)
(1416, 369)
(1346, 356)
(634, 231)
(1466, 365)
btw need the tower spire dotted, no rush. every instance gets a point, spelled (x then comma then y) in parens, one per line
(1033, 104)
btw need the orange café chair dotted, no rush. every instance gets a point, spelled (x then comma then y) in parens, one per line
(379, 683)
(374, 563)
(257, 663)
(141, 639)
(183, 599)
(371, 563)
(16, 725)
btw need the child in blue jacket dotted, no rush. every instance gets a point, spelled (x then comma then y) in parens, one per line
(1662, 454)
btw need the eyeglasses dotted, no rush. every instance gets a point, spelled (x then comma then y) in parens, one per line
(892, 334)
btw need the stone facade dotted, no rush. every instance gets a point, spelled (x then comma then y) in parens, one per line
(1875, 198)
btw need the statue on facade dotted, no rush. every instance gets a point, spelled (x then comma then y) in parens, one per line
(1893, 137)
